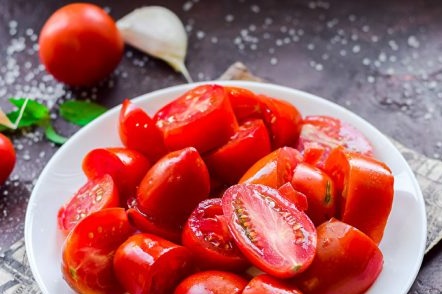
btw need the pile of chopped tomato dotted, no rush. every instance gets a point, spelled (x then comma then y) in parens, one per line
(227, 191)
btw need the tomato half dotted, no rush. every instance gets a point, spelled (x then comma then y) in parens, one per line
(270, 231)
(202, 118)
(207, 236)
(146, 263)
(266, 284)
(80, 44)
(138, 132)
(8, 157)
(211, 282)
(367, 189)
(88, 251)
(346, 261)
(96, 194)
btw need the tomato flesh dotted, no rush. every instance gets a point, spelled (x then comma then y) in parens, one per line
(211, 282)
(297, 198)
(8, 158)
(246, 105)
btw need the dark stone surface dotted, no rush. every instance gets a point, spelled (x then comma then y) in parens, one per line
(380, 59)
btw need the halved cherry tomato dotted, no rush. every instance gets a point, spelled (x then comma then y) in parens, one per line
(250, 143)
(319, 189)
(96, 194)
(138, 132)
(296, 197)
(146, 263)
(207, 236)
(7, 155)
(367, 189)
(346, 261)
(89, 249)
(246, 105)
(126, 166)
(202, 118)
(266, 284)
(211, 282)
(274, 169)
(269, 230)
(172, 188)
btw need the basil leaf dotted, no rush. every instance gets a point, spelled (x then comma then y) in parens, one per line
(32, 115)
(53, 136)
(80, 112)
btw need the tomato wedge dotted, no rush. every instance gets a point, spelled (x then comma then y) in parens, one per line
(266, 284)
(270, 231)
(211, 282)
(295, 197)
(246, 105)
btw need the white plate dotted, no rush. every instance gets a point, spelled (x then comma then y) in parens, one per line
(403, 243)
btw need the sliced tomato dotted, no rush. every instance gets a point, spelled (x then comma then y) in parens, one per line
(138, 132)
(229, 162)
(274, 169)
(266, 284)
(270, 231)
(211, 282)
(246, 105)
(366, 186)
(346, 261)
(146, 263)
(202, 118)
(207, 236)
(96, 194)
(88, 251)
(296, 197)
(319, 189)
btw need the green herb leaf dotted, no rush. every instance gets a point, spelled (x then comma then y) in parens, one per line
(80, 112)
(32, 115)
(53, 136)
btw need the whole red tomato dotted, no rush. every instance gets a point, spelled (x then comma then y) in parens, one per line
(211, 282)
(80, 44)
(7, 158)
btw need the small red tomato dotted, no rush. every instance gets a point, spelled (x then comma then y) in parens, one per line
(266, 284)
(295, 197)
(138, 132)
(126, 167)
(202, 118)
(7, 155)
(319, 189)
(366, 186)
(208, 238)
(246, 105)
(270, 231)
(229, 162)
(146, 263)
(96, 194)
(346, 261)
(89, 249)
(80, 44)
(211, 282)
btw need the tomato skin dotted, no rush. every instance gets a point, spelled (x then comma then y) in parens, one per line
(266, 284)
(208, 238)
(202, 118)
(249, 144)
(146, 263)
(138, 132)
(246, 105)
(346, 261)
(8, 158)
(80, 44)
(297, 198)
(94, 195)
(211, 282)
(89, 249)
(270, 231)
(319, 189)
(366, 186)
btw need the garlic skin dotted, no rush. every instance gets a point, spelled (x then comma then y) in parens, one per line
(158, 32)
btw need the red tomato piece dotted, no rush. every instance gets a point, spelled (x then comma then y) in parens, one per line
(96, 194)
(8, 158)
(202, 118)
(173, 187)
(269, 230)
(138, 132)
(80, 44)
(266, 284)
(296, 197)
(366, 186)
(319, 189)
(246, 105)
(127, 167)
(274, 169)
(249, 144)
(89, 249)
(346, 261)
(211, 282)
(207, 236)
(146, 263)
